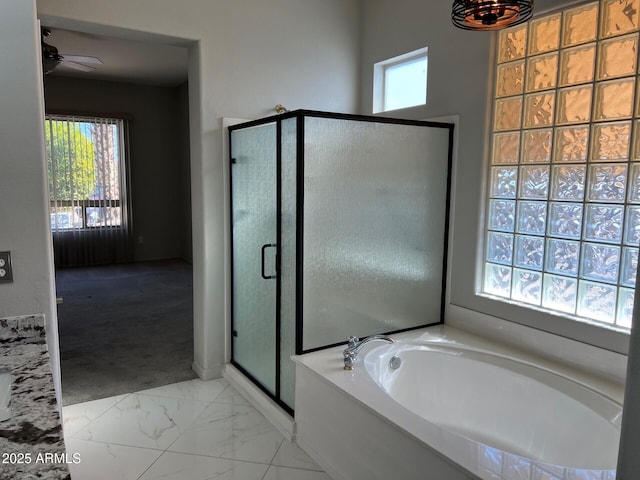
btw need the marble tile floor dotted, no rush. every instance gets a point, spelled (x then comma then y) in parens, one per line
(191, 430)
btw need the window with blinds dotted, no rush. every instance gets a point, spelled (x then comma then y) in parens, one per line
(87, 181)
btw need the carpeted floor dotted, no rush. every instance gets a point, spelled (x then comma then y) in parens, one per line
(124, 328)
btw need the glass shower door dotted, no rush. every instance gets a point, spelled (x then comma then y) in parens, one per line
(254, 222)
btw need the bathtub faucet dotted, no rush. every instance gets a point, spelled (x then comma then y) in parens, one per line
(355, 344)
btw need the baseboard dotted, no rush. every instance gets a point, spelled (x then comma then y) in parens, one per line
(265, 405)
(326, 465)
(207, 373)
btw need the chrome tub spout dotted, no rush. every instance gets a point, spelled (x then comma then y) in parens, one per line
(355, 344)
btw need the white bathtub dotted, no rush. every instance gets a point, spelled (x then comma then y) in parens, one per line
(453, 410)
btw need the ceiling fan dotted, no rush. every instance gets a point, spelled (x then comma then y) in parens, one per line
(51, 58)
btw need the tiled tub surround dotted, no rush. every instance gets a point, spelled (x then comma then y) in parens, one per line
(31, 441)
(387, 440)
(193, 430)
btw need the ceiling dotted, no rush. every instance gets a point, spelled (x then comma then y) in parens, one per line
(122, 60)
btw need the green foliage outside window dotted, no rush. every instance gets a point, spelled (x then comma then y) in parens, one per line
(71, 161)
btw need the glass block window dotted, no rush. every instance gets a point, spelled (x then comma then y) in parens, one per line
(563, 223)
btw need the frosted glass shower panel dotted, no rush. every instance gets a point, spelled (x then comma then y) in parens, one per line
(254, 226)
(288, 229)
(375, 206)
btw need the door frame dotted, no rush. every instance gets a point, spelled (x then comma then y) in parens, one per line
(232, 125)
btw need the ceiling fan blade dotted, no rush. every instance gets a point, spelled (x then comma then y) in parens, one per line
(82, 59)
(78, 66)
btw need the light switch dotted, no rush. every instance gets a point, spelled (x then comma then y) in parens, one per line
(6, 271)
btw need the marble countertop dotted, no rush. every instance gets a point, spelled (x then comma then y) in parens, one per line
(31, 440)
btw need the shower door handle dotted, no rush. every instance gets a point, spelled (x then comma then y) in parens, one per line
(262, 272)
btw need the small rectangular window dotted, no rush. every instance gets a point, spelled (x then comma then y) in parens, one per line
(400, 82)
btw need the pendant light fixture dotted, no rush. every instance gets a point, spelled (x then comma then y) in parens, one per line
(490, 15)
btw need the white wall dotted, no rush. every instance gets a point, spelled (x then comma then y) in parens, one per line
(245, 56)
(628, 458)
(458, 83)
(24, 217)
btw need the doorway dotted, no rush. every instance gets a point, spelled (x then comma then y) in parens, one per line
(129, 326)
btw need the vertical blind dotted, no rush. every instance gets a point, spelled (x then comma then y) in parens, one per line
(88, 190)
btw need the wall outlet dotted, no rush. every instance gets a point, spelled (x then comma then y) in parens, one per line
(6, 270)
(140, 240)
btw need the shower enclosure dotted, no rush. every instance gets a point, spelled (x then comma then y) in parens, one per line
(339, 227)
